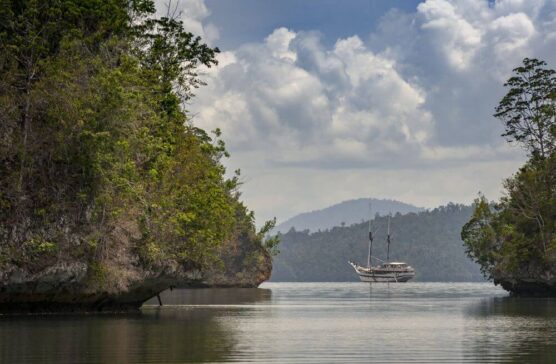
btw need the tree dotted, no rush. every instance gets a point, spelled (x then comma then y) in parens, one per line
(516, 237)
(529, 108)
(480, 236)
(174, 55)
(32, 32)
(95, 140)
(270, 242)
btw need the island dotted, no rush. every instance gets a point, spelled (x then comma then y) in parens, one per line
(514, 240)
(109, 194)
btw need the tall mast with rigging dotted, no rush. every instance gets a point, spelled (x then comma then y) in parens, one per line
(388, 241)
(387, 271)
(370, 240)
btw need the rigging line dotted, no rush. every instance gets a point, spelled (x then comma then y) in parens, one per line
(388, 240)
(380, 260)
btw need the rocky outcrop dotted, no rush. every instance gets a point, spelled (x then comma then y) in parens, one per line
(526, 282)
(244, 264)
(52, 280)
(528, 287)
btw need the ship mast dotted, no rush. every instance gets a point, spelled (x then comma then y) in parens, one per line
(370, 240)
(388, 241)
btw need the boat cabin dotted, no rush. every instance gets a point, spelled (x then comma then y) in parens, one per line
(394, 265)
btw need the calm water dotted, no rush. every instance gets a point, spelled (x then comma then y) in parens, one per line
(300, 323)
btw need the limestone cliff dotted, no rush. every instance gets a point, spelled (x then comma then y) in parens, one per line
(109, 193)
(60, 280)
(527, 281)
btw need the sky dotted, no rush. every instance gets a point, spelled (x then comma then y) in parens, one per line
(322, 101)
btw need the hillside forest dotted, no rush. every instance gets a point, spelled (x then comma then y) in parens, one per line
(429, 241)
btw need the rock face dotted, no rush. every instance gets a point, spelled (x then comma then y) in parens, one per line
(245, 264)
(59, 282)
(528, 288)
(109, 194)
(526, 282)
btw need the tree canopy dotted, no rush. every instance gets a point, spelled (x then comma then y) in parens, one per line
(529, 108)
(95, 138)
(517, 235)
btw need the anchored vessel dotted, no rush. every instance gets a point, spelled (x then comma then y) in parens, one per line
(387, 271)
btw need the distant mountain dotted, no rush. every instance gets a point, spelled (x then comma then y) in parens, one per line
(347, 212)
(429, 241)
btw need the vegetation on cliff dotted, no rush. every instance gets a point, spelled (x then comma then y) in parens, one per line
(514, 240)
(97, 155)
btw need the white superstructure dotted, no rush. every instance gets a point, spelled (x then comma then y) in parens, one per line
(387, 272)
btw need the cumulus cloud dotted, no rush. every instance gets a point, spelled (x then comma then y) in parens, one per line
(415, 95)
(302, 104)
(456, 37)
(462, 52)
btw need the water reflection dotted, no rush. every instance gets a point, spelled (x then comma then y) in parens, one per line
(176, 334)
(300, 323)
(514, 329)
(515, 307)
(212, 296)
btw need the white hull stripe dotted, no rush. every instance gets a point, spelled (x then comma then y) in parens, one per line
(382, 276)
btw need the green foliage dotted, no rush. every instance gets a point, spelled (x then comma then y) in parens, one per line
(516, 236)
(39, 246)
(270, 243)
(480, 237)
(97, 274)
(173, 55)
(94, 137)
(529, 108)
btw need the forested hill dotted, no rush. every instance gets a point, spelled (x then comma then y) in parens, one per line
(348, 212)
(429, 241)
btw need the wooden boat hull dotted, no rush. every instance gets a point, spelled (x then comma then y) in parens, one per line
(376, 274)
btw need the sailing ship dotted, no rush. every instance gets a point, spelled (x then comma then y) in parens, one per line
(385, 272)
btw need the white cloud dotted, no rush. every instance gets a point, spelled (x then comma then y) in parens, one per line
(302, 104)
(511, 32)
(456, 37)
(279, 44)
(460, 53)
(403, 113)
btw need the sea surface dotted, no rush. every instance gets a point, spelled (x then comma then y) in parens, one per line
(300, 323)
